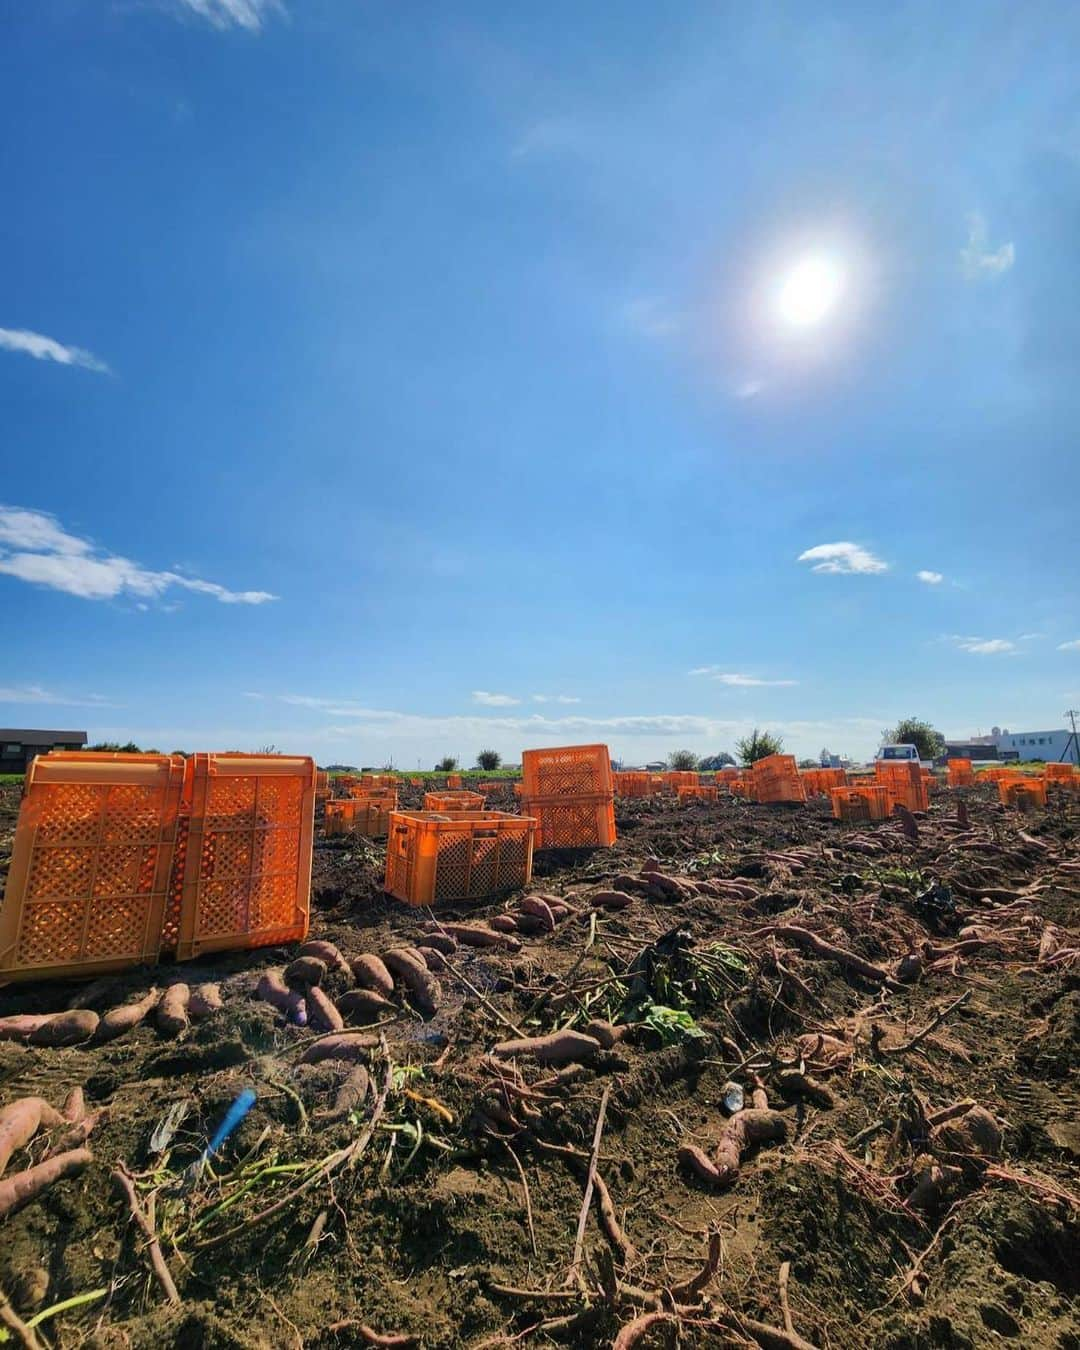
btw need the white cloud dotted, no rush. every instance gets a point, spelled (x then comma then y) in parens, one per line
(48, 349)
(843, 558)
(249, 14)
(736, 681)
(976, 257)
(749, 389)
(931, 578)
(986, 646)
(548, 136)
(649, 318)
(34, 547)
(34, 693)
(487, 700)
(1073, 646)
(555, 698)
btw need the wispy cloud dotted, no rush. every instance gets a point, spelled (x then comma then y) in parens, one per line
(843, 558)
(649, 318)
(487, 700)
(555, 698)
(737, 681)
(977, 258)
(43, 348)
(249, 14)
(980, 646)
(548, 136)
(1073, 646)
(748, 389)
(34, 693)
(35, 547)
(931, 578)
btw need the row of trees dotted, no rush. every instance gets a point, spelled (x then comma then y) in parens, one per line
(929, 742)
(488, 760)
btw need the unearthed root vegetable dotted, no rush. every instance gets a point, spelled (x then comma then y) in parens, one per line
(502, 923)
(370, 972)
(20, 1121)
(442, 942)
(326, 951)
(530, 925)
(347, 1045)
(69, 1028)
(611, 899)
(74, 1107)
(75, 1136)
(929, 1180)
(698, 1161)
(305, 971)
(604, 1032)
(539, 909)
(363, 1005)
(634, 1332)
(794, 1083)
(205, 1001)
(803, 937)
(827, 1051)
(478, 935)
(127, 1016)
(25, 1186)
(350, 1095)
(560, 1047)
(172, 1011)
(975, 1132)
(741, 1132)
(433, 959)
(19, 1026)
(273, 989)
(322, 1012)
(422, 986)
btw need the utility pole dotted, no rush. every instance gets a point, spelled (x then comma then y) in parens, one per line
(1072, 714)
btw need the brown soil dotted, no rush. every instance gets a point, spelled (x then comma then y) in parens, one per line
(416, 1242)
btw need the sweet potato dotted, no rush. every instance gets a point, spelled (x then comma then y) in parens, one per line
(326, 951)
(370, 972)
(347, 1045)
(25, 1186)
(539, 909)
(322, 1012)
(350, 1095)
(20, 1121)
(363, 1005)
(742, 1131)
(273, 989)
(480, 935)
(531, 925)
(205, 1001)
(305, 971)
(19, 1026)
(422, 986)
(611, 899)
(74, 1107)
(698, 1161)
(119, 1020)
(604, 1032)
(69, 1028)
(560, 1047)
(442, 942)
(172, 1011)
(433, 959)
(502, 923)
(74, 1136)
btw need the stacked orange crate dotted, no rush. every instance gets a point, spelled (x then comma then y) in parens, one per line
(570, 793)
(677, 778)
(961, 773)
(743, 787)
(702, 793)
(465, 856)
(631, 784)
(366, 812)
(905, 783)
(776, 779)
(861, 803)
(1011, 790)
(458, 800)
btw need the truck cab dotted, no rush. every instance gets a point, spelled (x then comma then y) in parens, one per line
(903, 754)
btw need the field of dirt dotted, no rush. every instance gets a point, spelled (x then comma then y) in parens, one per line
(853, 982)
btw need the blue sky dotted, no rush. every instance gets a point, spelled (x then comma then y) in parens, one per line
(397, 380)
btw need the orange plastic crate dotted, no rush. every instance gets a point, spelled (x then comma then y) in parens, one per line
(1060, 773)
(485, 788)
(467, 856)
(700, 793)
(518, 789)
(631, 784)
(379, 780)
(322, 785)
(416, 782)
(1011, 790)
(905, 783)
(567, 771)
(368, 814)
(366, 794)
(776, 779)
(453, 780)
(453, 801)
(677, 778)
(743, 787)
(88, 885)
(242, 872)
(861, 803)
(960, 773)
(572, 822)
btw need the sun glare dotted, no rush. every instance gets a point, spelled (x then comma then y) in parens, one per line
(809, 292)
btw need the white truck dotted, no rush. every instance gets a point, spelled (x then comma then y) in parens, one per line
(904, 754)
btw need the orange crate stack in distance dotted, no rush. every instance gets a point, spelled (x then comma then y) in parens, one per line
(631, 784)
(453, 801)
(861, 803)
(364, 813)
(570, 793)
(1057, 773)
(453, 780)
(322, 785)
(1010, 790)
(469, 855)
(491, 786)
(905, 783)
(677, 778)
(242, 877)
(960, 773)
(699, 793)
(776, 779)
(88, 885)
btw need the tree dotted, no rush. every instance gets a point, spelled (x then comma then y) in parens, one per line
(720, 761)
(758, 745)
(808, 764)
(912, 731)
(446, 765)
(115, 748)
(488, 760)
(684, 761)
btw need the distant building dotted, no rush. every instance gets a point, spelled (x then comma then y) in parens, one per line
(1052, 746)
(18, 747)
(972, 747)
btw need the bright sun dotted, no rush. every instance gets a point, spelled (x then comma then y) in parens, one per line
(810, 291)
